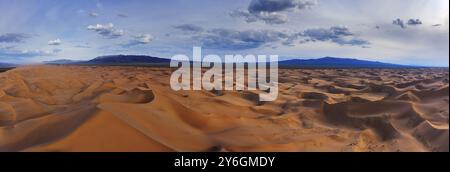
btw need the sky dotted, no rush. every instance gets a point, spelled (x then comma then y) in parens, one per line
(413, 32)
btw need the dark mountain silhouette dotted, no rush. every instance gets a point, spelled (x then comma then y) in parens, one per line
(6, 65)
(335, 62)
(127, 59)
(326, 62)
(62, 61)
(115, 60)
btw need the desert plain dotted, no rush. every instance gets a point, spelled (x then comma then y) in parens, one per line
(112, 108)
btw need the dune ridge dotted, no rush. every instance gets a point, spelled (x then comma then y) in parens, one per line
(90, 108)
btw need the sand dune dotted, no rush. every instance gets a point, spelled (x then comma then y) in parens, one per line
(75, 108)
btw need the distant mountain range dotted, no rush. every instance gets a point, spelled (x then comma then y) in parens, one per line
(6, 65)
(326, 62)
(116, 60)
(335, 62)
(62, 61)
(127, 59)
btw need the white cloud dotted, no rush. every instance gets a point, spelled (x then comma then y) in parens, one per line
(144, 38)
(139, 40)
(106, 30)
(54, 42)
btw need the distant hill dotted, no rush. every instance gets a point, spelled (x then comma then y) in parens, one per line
(326, 62)
(116, 60)
(7, 65)
(62, 61)
(127, 59)
(335, 62)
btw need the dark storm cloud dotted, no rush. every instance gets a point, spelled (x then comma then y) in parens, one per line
(411, 22)
(322, 34)
(336, 34)
(229, 39)
(232, 39)
(414, 22)
(257, 6)
(267, 17)
(400, 23)
(270, 11)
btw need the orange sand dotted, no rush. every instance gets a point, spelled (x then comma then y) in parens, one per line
(74, 108)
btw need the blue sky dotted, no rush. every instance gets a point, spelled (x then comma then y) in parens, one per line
(400, 31)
